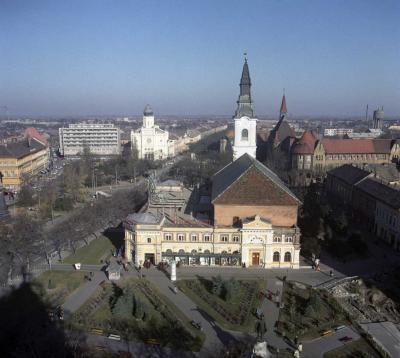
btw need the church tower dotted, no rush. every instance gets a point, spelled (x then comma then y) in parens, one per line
(245, 123)
(148, 117)
(283, 110)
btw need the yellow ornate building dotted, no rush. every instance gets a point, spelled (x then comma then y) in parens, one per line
(254, 223)
(20, 159)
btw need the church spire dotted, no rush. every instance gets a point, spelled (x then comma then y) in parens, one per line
(283, 110)
(244, 102)
(245, 82)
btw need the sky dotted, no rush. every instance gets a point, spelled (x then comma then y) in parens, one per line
(111, 57)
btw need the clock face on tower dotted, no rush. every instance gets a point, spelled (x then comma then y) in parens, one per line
(148, 140)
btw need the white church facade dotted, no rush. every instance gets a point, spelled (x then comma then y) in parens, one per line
(150, 141)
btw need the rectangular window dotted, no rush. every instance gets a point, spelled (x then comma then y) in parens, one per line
(224, 238)
(193, 237)
(168, 237)
(235, 238)
(277, 239)
(207, 238)
(288, 239)
(181, 237)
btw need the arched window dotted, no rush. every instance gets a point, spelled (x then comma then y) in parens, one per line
(288, 257)
(276, 257)
(245, 134)
(181, 251)
(194, 252)
(169, 252)
(149, 240)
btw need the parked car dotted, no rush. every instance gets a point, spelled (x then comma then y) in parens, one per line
(346, 339)
(339, 328)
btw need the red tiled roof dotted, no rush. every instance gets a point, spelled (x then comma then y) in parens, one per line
(362, 146)
(306, 143)
(32, 132)
(254, 188)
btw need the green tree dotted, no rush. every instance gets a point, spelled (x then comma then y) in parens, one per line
(218, 286)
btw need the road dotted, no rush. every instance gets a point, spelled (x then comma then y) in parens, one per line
(317, 347)
(137, 349)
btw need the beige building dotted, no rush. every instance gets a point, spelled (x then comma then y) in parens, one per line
(22, 159)
(254, 223)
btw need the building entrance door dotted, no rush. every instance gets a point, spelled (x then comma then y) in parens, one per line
(255, 259)
(149, 257)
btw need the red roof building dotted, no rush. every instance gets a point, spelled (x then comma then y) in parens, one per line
(32, 132)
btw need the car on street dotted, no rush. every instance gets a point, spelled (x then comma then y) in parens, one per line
(345, 339)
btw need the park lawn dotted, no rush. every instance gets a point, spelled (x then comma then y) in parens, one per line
(353, 349)
(233, 306)
(97, 250)
(97, 313)
(103, 312)
(63, 284)
(297, 318)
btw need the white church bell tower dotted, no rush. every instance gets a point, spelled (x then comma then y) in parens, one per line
(148, 117)
(245, 123)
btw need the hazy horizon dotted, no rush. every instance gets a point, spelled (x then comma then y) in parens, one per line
(101, 58)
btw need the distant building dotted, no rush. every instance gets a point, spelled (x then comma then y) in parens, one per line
(310, 153)
(331, 132)
(150, 141)
(378, 118)
(32, 132)
(100, 139)
(22, 159)
(370, 133)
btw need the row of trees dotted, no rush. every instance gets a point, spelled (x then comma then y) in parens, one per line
(24, 239)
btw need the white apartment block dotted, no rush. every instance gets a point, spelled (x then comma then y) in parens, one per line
(101, 139)
(331, 132)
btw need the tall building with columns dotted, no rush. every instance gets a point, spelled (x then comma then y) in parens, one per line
(150, 141)
(245, 121)
(251, 216)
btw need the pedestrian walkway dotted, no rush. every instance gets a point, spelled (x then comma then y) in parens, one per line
(216, 337)
(270, 308)
(77, 299)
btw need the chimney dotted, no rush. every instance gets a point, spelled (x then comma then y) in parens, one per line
(29, 141)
